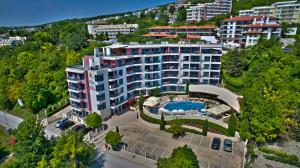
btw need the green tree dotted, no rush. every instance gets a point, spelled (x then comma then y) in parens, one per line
(93, 120)
(113, 138)
(181, 17)
(187, 85)
(172, 9)
(205, 128)
(162, 122)
(177, 130)
(244, 129)
(69, 150)
(181, 157)
(31, 144)
(141, 102)
(232, 125)
(117, 129)
(155, 92)
(3, 152)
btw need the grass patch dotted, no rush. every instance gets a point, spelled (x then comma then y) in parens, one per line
(279, 153)
(21, 112)
(199, 122)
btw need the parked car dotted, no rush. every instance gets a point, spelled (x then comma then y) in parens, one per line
(77, 127)
(66, 125)
(228, 145)
(60, 122)
(216, 143)
(81, 128)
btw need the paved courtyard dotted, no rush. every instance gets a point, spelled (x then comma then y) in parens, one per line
(154, 144)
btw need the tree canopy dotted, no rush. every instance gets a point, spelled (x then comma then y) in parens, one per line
(93, 120)
(181, 157)
(113, 138)
(269, 81)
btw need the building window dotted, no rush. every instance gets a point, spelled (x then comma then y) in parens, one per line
(206, 74)
(207, 58)
(206, 66)
(102, 106)
(100, 97)
(185, 66)
(99, 78)
(100, 87)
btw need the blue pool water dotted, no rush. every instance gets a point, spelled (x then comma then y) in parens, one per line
(186, 106)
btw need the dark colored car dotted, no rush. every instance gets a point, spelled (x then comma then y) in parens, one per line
(66, 125)
(228, 145)
(81, 128)
(216, 143)
(60, 122)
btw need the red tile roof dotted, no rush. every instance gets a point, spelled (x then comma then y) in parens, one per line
(247, 18)
(262, 25)
(182, 27)
(164, 35)
(189, 36)
(252, 32)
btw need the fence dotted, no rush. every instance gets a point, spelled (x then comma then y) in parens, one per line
(52, 109)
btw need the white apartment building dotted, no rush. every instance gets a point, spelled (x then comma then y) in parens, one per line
(258, 11)
(111, 30)
(208, 10)
(246, 30)
(110, 81)
(286, 11)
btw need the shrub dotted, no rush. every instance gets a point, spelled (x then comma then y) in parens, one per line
(205, 128)
(177, 130)
(113, 138)
(162, 125)
(93, 120)
(232, 125)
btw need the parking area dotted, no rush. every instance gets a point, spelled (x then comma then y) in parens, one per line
(155, 144)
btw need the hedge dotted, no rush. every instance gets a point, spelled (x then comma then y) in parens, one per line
(200, 122)
(186, 121)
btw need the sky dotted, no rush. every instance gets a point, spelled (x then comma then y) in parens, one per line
(34, 12)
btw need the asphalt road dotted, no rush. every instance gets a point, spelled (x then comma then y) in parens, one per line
(12, 121)
(110, 160)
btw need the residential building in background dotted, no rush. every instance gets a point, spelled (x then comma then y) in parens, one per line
(11, 41)
(246, 30)
(286, 11)
(207, 11)
(96, 28)
(111, 80)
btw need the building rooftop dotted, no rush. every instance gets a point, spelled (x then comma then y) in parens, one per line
(223, 94)
(248, 18)
(182, 27)
(262, 25)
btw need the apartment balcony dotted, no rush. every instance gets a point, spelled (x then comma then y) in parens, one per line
(152, 61)
(194, 68)
(152, 70)
(170, 67)
(133, 71)
(195, 60)
(133, 80)
(77, 107)
(114, 86)
(152, 85)
(214, 76)
(116, 94)
(73, 79)
(152, 77)
(170, 75)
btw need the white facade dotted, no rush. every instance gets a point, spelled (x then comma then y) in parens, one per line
(111, 30)
(208, 10)
(110, 81)
(246, 30)
(286, 11)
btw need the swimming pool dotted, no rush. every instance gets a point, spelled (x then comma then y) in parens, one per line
(182, 106)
